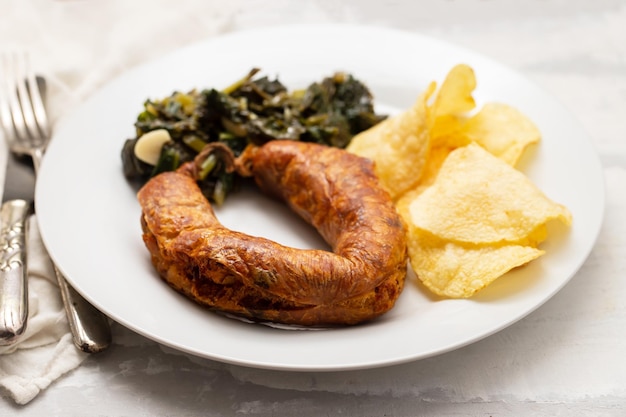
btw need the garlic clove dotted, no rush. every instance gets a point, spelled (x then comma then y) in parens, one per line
(149, 145)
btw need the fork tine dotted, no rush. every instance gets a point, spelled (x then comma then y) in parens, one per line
(21, 115)
(26, 112)
(37, 103)
(30, 123)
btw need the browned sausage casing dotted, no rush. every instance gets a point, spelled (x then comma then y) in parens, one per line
(254, 277)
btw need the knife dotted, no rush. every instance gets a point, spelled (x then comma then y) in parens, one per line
(14, 214)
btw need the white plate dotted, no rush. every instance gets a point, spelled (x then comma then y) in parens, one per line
(89, 217)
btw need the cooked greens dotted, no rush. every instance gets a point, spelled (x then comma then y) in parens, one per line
(251, 110)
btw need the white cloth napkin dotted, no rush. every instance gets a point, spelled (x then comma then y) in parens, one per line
(45, 351)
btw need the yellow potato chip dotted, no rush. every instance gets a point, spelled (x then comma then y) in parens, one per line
(398, 145)
(535, 237)
(478, 198)
(502, 130)
(455, 94)
(451, 106)
(435, 159)
(456, 270)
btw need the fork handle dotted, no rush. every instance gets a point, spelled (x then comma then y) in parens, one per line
(13, 270)
(90, 327)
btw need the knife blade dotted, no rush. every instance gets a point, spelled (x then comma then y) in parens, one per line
(14, 213)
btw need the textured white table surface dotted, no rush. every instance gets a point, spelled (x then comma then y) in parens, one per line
(565, 359)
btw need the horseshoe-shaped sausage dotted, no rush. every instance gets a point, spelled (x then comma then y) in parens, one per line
(335, 191)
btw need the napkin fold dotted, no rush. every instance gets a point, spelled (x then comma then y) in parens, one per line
(45, 352)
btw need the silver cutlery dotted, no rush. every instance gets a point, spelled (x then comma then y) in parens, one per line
(27, 132)
(13, 273)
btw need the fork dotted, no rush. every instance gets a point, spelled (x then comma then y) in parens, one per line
(27, 132)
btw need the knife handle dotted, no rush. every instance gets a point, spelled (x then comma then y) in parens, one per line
(13, 270)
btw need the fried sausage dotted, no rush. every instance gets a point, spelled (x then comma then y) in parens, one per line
(253, 277)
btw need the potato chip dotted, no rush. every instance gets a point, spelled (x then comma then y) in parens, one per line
(478, 198)
(502, 130)
(455, 94)
(436, 157)
(451, 107)
(457, 270)
(398, 145)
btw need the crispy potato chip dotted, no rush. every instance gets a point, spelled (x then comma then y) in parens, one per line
(398, 145)
(478, 198)
(455, 94)
(460, 270)
(502, 130)
(451, 106)
(535, 237)
(436, 157)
